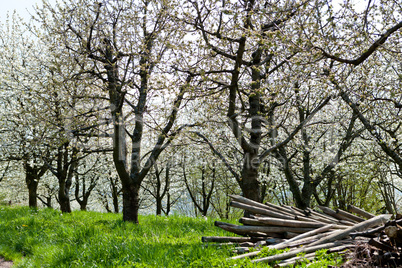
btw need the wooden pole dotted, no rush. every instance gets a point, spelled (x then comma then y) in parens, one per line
(378, 220)
(311, 233)
(293, 260)
(262, 229)
(360, 212)
(220, 239)
(333, 213)
(296, 241)
(259, 210)
(294, 252)
(285, 222)
(349, 215)
(324, 217)
(268, 206)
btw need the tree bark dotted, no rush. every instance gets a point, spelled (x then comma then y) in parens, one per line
(250, 184)
(33, 196)
(32, 176)
(131, 202)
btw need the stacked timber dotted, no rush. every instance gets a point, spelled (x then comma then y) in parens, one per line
(302, 231)
(384, 249)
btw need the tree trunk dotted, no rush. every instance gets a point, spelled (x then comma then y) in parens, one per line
(249, 183)
(168, 204)
(32, 177)
(32, 184)
(83, 204)
(131, 202)
(32, 189)
(116, 202)
(158, 206)
(64, 198)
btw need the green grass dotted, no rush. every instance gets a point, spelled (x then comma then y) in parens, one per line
(46, 238)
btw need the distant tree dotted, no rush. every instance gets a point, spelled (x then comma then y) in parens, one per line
(123, 45)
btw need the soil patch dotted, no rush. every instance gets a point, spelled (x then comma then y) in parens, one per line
(5, 264)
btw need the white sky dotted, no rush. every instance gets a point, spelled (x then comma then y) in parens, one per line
(23, 8)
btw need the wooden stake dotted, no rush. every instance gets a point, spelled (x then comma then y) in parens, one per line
(220, 239)
(333, 213)
(294, 252)
(349, 215)
(360, 212)
(259, 210)
(378, 220)
(285, 222)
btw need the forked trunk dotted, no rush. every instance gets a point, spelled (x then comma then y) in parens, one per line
(64, 203)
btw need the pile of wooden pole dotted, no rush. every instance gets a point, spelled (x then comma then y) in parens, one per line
(280, 227)
(384, 249)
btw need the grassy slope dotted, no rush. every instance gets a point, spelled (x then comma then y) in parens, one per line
(45, 238)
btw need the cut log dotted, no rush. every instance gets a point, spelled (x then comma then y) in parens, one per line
(295, 211)
(302, 212)
(267, 206)
(341, 248)
(333, 213)
(281, 246)
(294, 252)
(220, 239)
(349, 215)
(241, 250)
(368, 233)
(311, 233)
(294, 260)
(360, 212)
(259, 210)
(261, 229)
(231, 228)
(247, 244)
(288, 243)
(378, 220)
(348, 223)
(321, 214)
(289, 223)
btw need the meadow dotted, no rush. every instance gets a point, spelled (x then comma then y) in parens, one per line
(47, 238)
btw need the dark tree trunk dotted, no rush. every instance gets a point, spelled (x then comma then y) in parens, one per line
(168, 204)
(32, 177)
(159, 206)
(64, 197)
(66, 166)
(33, 196)
(249, 183)
(83, 205)
(131, 203)
(115, 197)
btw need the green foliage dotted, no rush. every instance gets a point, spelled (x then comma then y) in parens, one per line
(46, 238)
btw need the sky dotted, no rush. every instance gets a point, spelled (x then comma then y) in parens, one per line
(23, 8)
